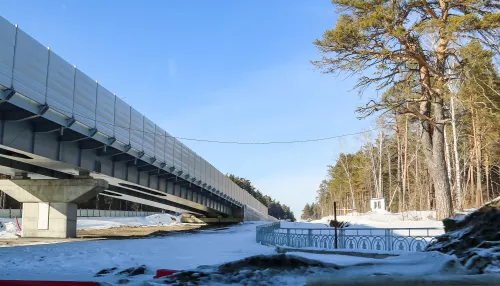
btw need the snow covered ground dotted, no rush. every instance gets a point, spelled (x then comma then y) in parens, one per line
(410, 219)
(367, 223)
(367, 232)
(82, 260)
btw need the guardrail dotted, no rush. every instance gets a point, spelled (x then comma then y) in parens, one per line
(110, 213)
(376, 239)
(10, 213)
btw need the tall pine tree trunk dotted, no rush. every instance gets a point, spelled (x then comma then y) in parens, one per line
(487, 173)
(389, 170)
(448, 157)
(417, 179)
(433, 146)
(477, 155)
(380, 180)
(399, 181)
(405, 166)
(458, 179)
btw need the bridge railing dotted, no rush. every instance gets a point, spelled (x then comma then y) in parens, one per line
(10, 213)
(366, 239)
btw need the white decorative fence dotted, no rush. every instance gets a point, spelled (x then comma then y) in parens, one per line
(376, 239)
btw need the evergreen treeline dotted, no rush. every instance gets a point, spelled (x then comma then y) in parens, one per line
(275, 208)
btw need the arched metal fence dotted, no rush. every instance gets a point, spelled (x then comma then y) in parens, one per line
(374, 239)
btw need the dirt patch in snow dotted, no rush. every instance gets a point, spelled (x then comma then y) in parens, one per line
(124, 232)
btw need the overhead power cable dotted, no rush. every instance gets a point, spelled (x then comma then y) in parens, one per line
(209, 140)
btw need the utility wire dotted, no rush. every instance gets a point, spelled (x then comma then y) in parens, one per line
(214, 141)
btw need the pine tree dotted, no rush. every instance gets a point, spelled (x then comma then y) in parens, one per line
(405, 40)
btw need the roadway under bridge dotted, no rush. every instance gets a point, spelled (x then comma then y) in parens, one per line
(58, 124)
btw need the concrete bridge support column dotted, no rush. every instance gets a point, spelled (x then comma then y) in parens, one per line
(49, 206)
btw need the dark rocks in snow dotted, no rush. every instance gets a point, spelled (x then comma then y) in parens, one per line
(282, 261)
(338, 224)
(255, 270)
(138, 271)
(474, 239)
(105, 272)
(133, 271)
(126, 271)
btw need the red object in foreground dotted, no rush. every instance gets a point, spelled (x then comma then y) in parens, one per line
(45, 283)
(18, 225)
(164, 272)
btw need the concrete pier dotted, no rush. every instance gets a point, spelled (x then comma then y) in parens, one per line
(49, 206)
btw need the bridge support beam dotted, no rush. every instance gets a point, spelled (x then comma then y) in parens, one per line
(49, 206)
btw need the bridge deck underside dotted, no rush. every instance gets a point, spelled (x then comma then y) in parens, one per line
(51, 109)
(26, 146)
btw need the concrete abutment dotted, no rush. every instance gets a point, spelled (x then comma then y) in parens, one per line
(50, 206)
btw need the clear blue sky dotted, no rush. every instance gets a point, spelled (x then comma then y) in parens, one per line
(221, 70)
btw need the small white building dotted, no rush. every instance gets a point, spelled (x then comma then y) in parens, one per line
(377, 204)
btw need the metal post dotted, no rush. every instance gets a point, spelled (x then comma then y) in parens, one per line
(309, 238)
(335, 219)
(288, 237)
(388, 239)
(342, 239)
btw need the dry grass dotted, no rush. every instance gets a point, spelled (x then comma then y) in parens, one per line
(113, 233)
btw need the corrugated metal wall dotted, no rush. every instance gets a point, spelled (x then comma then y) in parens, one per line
(42, 76)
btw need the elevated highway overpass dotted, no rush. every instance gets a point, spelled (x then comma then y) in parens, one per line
(58, 123)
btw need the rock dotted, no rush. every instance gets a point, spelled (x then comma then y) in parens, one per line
(126, 271)
(280, 250)
(123, 281)
(105, 271)
(138, 271)
(450, 224)
(133, 271)
(282, 262)
(338, 224)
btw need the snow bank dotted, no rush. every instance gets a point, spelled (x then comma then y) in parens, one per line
(302, 269)
(81, 260)
(318, 224)
(8, 229)
(109, 222)
(410, 219)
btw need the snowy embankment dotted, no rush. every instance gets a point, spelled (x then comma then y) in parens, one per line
(9, 229)
(409, 219)
(408, 224)
(109, 222)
